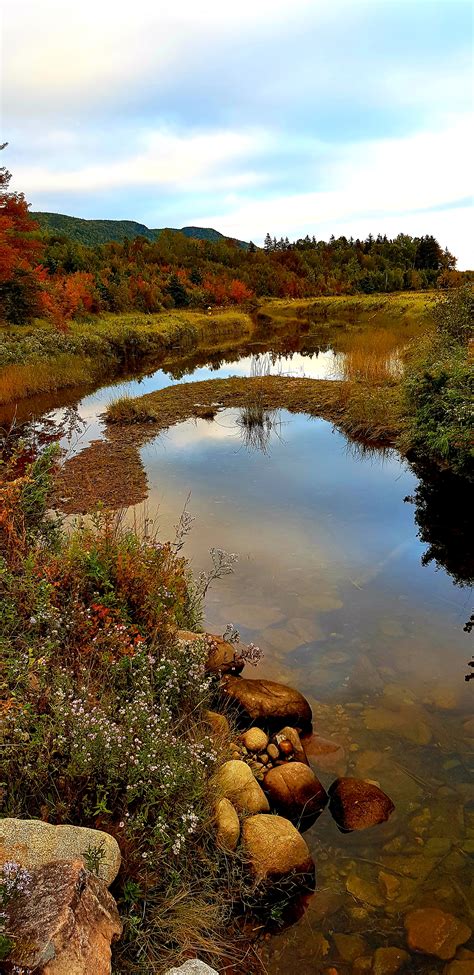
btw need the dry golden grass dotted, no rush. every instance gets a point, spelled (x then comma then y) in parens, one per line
(44, 376)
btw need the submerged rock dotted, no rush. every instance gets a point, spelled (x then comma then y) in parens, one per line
(295, 792)
(264, 702)
(236, 782)
(32, 843)
(326, 754)
(350, 946)
(389, 961)
(408, 723)
(228, 825)
(357, 804)
(275, 849)
(435, 932)
(66, 924)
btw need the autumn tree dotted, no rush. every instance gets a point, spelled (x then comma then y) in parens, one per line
(20, 253)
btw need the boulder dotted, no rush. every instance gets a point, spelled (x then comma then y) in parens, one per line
(228, 825)
(294, 791)
(264, 702)
(357, 804)
(192, 967)
(389, 961)
(222, 657)
(66, 923)
(291, 735)
(235, 781)
(255, 740)
(435, 932)
(276, 850)
(32, 843)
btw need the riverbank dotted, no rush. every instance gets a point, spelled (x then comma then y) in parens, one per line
(40, 359)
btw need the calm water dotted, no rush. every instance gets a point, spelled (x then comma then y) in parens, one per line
(330, 583)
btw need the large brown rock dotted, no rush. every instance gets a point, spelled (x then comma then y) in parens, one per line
(357, 804)
(276, 850)
(294, 791)
(435, 932)
(32, 843)
(222, 657)
(235, 781)
(268, 704)
(66, 924)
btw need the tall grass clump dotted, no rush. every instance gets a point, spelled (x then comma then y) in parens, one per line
(103, 710)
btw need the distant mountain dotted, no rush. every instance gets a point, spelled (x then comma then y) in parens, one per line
(92, 232)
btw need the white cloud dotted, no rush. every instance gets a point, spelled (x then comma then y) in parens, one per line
(217, 160)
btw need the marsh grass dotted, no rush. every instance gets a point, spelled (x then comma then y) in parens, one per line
(39, 359)
(127, 410)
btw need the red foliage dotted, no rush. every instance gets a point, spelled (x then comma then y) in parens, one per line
(63, 297)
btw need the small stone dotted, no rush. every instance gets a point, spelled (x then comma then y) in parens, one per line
(273, 752)
(228, 825)
(264, 758)
(435, 932)
(350, 946)
(285, 748)
(235, 781)
(255, 740)
(388, 961)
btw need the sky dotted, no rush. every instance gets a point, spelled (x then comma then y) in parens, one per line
(250, 116)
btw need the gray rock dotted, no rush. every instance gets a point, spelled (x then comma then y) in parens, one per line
(192, 967)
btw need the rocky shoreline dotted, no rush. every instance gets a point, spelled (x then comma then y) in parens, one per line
(265, 796)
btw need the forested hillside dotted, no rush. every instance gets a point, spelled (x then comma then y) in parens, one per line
(93, 232)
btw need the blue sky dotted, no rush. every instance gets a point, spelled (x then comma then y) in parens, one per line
(295, 118)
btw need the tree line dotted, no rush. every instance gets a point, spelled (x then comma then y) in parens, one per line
(53, 276)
